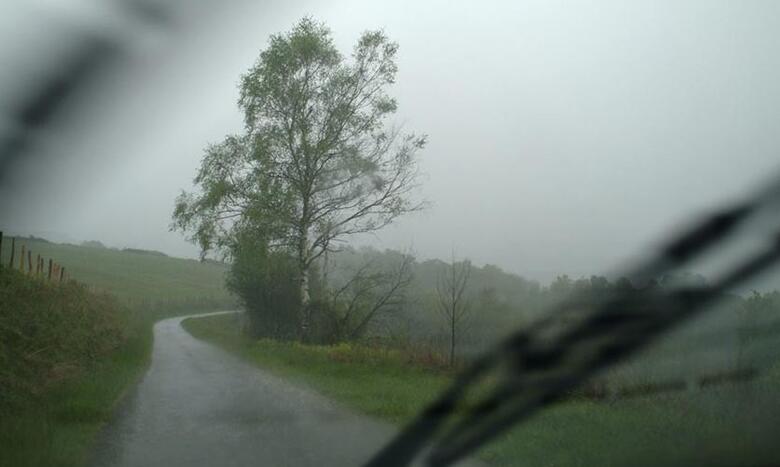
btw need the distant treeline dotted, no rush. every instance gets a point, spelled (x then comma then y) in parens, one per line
(139, 251)
(349, 286)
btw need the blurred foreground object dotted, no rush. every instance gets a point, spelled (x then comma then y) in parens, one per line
(56, 52)
(539, 365)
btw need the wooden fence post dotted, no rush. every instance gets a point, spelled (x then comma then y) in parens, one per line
(37, 265)
(13, 251)
(29, 262)
(62, 274)
(50, 265)
(21, 259)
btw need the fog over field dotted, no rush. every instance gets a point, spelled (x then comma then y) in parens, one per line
(562, 138)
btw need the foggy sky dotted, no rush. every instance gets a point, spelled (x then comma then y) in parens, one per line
(564, 137)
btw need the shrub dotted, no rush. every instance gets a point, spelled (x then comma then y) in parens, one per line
(266, 283)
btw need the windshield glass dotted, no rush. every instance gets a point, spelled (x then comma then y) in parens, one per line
(276, 233)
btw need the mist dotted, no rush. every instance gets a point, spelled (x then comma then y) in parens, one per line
(562, 139)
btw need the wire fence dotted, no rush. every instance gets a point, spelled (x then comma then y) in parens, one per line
(35, 266)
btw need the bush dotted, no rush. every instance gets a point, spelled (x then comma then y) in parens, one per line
(266, 283)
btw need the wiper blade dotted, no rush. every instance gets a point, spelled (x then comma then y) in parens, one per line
(545, 361)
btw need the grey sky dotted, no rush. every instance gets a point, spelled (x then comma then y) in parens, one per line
(564, 136)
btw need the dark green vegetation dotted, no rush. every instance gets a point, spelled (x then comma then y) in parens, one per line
(732, 424)
(66, 355)
(69, 351)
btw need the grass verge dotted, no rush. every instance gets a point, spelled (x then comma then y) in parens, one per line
(57, 427)
(66, 356)
(731, 425)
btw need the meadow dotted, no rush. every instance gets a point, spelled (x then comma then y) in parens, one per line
(135, 277)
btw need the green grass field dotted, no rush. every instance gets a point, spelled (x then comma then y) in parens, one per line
(728, 425)
(135, 278)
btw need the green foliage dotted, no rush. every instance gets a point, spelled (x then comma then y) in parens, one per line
(315, 163)
(265, 282)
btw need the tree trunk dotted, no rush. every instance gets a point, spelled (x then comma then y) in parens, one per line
(452, 340)
(303, 257)
(305, 300)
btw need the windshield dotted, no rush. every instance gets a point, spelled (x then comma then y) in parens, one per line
(386, 233)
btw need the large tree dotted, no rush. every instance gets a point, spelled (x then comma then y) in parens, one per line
(317, 161)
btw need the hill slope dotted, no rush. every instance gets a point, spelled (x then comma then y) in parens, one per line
(66, 356)
(135, 277)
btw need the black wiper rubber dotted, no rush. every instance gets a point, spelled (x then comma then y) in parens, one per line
(544, 370)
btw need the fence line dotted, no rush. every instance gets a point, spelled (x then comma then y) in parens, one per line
(55, 273)
(13, 249)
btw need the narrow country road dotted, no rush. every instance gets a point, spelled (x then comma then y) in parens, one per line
(200, 406)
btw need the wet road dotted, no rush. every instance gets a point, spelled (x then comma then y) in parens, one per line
(200, 406)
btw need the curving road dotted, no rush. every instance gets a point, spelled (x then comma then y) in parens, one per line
(200, 406)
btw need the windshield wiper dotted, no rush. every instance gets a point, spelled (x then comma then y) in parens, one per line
(541, 364)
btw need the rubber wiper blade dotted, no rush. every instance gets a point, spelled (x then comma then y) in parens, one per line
(545, 368)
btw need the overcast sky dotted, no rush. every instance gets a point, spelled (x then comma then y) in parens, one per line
(565, 137)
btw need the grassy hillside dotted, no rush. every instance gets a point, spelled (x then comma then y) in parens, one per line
(68, 351)
(66, 355)
(136, 277)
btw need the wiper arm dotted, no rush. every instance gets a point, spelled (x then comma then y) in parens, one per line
(542, 363)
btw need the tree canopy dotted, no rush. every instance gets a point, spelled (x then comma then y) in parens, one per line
(317, 161)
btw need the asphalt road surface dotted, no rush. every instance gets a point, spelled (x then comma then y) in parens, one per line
(200, 406)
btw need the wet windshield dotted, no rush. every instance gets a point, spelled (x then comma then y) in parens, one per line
(387, 233)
